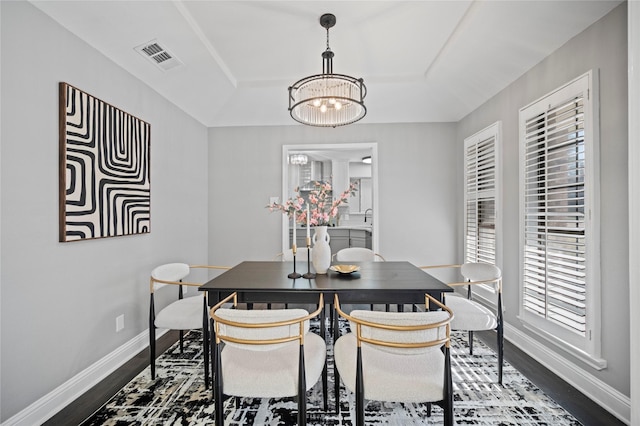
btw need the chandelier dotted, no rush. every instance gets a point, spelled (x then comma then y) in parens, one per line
(298, 159)
(327, 99)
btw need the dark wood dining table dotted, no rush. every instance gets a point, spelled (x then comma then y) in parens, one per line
(374, 283)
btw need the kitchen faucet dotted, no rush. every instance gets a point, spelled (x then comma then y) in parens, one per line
(365, 215)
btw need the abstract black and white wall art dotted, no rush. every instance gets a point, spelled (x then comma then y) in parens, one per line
(104, 169)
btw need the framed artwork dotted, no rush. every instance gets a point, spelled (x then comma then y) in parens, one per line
(104, 187)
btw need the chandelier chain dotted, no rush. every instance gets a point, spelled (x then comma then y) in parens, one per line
(328, 48)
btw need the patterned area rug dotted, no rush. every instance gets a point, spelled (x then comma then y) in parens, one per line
(178, 397)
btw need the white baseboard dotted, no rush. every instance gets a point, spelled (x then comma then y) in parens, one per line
(50, 404)
(604, 395)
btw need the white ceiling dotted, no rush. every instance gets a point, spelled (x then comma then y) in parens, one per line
(422, 61)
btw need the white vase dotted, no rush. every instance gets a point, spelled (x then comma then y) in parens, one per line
(321, 254)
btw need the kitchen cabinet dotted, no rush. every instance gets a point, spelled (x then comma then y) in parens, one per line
(360, 238)
(341, 237)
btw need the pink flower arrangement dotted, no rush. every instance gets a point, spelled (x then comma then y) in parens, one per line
(322, 207)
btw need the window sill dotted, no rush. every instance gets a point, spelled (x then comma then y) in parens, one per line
(591, 360)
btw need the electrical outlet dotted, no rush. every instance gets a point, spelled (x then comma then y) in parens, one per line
(119, 323)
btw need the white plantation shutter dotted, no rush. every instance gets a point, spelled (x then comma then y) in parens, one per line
(480, 193)
(554, 258)
(558, 186)
(481, 190)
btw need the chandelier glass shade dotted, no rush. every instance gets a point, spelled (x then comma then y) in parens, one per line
(327, 99)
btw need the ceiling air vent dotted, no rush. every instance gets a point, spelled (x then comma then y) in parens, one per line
(159, 55)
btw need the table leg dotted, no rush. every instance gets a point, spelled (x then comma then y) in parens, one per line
(336, 375)
(325, 380)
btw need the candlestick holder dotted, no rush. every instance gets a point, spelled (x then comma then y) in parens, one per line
(309, 275)
(294, 274)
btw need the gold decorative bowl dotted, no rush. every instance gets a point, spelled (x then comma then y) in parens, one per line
(345, 269)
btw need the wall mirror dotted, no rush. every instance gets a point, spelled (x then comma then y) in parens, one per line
(357, 221)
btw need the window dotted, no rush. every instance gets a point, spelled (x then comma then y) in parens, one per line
(558, 227)
(481, 196)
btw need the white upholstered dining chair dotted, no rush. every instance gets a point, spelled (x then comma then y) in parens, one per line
(266, 354)
(183, 313)
(397, 357)
(359, 254)
(470, 315)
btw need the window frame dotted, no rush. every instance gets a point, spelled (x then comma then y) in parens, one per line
(587, 347)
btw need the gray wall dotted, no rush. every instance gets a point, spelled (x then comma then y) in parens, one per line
(602, 46)
(60, 300)
(417, 174)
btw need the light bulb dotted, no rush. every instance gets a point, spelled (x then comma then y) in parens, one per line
(332, 101)
(338, 105)
(323, 108)
(316, 102)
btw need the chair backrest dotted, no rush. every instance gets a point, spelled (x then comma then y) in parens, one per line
(480, 271)
(238, 324)
(357, 254)
(474, 272)
(260, 329)
(169, 272)
(402, 332)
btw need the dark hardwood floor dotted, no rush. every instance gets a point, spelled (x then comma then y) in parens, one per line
(583, 408)
(80, 409)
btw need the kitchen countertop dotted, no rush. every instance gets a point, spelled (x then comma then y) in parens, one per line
(364, 227)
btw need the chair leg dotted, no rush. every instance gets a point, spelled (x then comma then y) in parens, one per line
(302, 389)
(325, 374)
(386, 307)
(205, 343)
(428, 409)
(336, 373)
(471, 343)
(152, 351)
(212, 357)
(400, 308)
(218, 386)
(152, 337)
(181, 341)
(359, 390)
(448, 389)
(500, 334)
(330, 320)
(337, 397)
